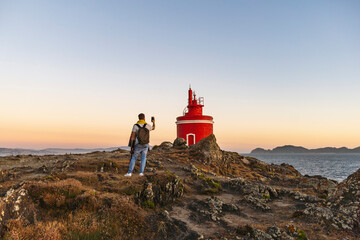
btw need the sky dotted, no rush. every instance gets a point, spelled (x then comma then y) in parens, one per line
(77, 73)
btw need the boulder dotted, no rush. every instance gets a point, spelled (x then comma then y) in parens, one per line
(164, 146)
(208, 150)
(17, 204)
(180, 143)
(161, 191)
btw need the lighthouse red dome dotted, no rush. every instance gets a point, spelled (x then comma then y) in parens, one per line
(193, 126)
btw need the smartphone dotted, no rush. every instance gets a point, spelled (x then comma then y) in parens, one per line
(152, 119)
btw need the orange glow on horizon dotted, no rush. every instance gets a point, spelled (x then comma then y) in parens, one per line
(35, 132)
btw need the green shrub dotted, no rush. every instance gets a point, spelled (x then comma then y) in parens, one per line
(149, 204)
(266, 197)
(215, 184)
(302, 235)
(211, 191)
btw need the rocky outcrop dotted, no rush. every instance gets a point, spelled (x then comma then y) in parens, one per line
(319, 183)
(17, 205)
(164, 146)
(211, 209)
(257, 190)
(160, 192)
(345, 202)
(171, 228)
(207, 150)
(255, 194)
(342, 209)
(180, 143)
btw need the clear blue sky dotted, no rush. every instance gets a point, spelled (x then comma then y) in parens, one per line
(72, 73)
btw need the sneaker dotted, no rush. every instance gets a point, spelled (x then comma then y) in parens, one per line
(141, 174)
(128, 175)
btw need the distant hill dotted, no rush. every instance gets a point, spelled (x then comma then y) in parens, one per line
(52, 151)
(296, 149)
(290, 149)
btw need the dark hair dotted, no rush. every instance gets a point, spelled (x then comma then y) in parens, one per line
(141, 116)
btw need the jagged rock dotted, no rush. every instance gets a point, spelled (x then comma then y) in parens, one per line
(344, 203)
(338, 218)
(232, 208)
(319, 183)
(305, 197)
(194, 170)
(258, 235)
(17, 205)
(274, 232)
(164, 146)
(236, 184)
(161, 194)
(180, 143)
(215, 203)
(207, 149)
(343, 206)
(173, 228)
(209, 209)
(320, 212)
(258, 191)
(257, 203)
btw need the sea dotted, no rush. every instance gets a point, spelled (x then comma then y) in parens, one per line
(333, 166)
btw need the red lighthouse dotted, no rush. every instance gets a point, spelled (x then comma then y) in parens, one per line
(193, 126)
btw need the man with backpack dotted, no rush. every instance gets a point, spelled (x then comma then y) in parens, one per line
(139, 142)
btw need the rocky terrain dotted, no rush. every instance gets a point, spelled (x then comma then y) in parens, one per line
(199, 192)
(48, 151)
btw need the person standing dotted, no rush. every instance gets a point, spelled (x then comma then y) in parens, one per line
(139, 142)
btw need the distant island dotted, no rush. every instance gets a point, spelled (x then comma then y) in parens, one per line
(296, 149)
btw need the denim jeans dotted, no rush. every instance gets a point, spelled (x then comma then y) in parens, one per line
(142, 149)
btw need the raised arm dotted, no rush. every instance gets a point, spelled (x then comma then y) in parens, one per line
(153, 122)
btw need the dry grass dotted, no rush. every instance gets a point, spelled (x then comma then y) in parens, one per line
(17, 230)
(70, 210)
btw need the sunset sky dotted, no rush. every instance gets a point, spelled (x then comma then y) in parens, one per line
(77, 73)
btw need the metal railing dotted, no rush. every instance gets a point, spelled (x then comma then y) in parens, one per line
(201, 101)
(185, 111)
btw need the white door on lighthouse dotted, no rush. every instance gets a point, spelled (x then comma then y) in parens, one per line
(190, 139)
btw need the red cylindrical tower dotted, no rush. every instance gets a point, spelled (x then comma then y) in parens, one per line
(193, 126)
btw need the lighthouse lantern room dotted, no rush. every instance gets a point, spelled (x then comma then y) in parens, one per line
(193, 126)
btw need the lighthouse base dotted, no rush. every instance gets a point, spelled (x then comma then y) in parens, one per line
(194, 132)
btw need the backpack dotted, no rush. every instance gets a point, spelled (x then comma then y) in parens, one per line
(143, 134)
